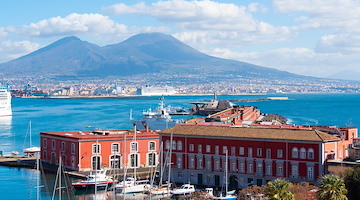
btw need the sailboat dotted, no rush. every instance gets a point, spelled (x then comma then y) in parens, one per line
(31, 151)
(229, 195)
(131, 184)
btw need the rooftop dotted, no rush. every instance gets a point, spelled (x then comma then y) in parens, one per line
(251, 133)
(101, 134)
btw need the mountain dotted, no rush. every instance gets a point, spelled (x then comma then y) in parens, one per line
(142, 53)
(346, 75)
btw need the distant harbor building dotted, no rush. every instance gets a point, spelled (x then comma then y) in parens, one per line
(155, 91)
(5, 100)
(256, 155)
(100, 149)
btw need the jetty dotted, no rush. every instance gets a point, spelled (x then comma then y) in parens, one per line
(18, 161)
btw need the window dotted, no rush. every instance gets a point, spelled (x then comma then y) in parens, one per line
(268, 169)
(302, 153)
(174, 145)
(241, 151)
(44, 155)
(311, 153)
(151, 159)
(294, 170)
(199, 148)
(259, 152)
(279, 153)
(134, 147)
(250, 167)
(115, 161)
(249, 152)
(233, 151)
(217, 164)
(96, 148)
(180, 174)
(268, 153)
(191, 162)
(45, 143)
(134, 160)
(224, 149)
(242, 166)
(179, 145)
(200, 162)
(310, 172)
(63, 146)
(217, 150)
(179, 162)
(53, 145)
(96, 160)
(191, 147)
(72, 148)
(167, 144)
(208, 148)
(280, 169)
(259, 168)
(233, 165)
(295, 152)
(115, 148)
(152, 146)
(208, 164)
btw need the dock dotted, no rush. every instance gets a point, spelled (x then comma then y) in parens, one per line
(18, 161)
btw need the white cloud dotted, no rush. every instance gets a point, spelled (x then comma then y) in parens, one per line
(298, 60)
(2, 32)
(10, 50)
(213, 19)
(90, 24)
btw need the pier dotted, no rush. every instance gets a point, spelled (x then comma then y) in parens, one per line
(18, 161)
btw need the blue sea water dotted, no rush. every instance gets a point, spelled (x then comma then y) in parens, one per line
(88, 114)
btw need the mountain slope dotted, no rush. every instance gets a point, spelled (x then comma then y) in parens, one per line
(142, 53)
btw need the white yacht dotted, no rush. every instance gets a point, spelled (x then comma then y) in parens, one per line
(5, 101)
(184, 189)
(130, 185)
(97, 179)
(158, 119)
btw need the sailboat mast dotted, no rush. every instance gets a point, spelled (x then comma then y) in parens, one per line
(30, 133)
(37, 178)
(60, 165)
(96, 160)
(169, 164)
(226, 172)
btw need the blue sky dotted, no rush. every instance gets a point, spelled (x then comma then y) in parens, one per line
(309, 37)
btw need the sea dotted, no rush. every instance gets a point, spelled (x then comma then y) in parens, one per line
(113, 113)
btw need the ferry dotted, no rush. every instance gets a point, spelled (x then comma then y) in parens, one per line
(158, 119)
(155, 91)
(5, 101)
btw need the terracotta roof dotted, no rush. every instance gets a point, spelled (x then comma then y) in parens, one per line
(251, 133)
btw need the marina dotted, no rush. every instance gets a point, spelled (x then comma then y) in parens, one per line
(113, 113)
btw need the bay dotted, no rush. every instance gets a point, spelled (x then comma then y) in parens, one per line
(113, 113)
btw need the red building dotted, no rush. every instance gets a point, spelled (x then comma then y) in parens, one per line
(105, 149)
(255, 155)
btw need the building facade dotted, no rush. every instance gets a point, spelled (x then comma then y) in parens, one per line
(90, 150)
(255, 155)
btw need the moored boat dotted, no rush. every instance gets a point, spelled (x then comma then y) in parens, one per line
(97, 179)
(184, 190)
(130, 185)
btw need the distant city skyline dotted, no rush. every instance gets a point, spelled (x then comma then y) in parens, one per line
(311, 37)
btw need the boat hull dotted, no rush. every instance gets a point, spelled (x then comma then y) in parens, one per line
(133, 188)
(99, 186)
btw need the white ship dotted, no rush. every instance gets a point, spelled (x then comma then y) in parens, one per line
(155, 91)
(5, 101)
(158, 119)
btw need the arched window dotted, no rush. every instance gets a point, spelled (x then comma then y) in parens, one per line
(151, 159)
(53, 158)
(310, 153)
(174, 145)
(295, 152)
(152, 146)
(167, 144)
(303, 153)
(179, 145)
(95, 165)
(115, 161)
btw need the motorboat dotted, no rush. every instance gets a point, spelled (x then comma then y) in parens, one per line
(184, 190)
(158, 119)
(130, 185)
(97, 179)
(162, 190)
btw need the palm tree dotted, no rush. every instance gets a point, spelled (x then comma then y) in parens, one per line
(332, 187)
(279, 190)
